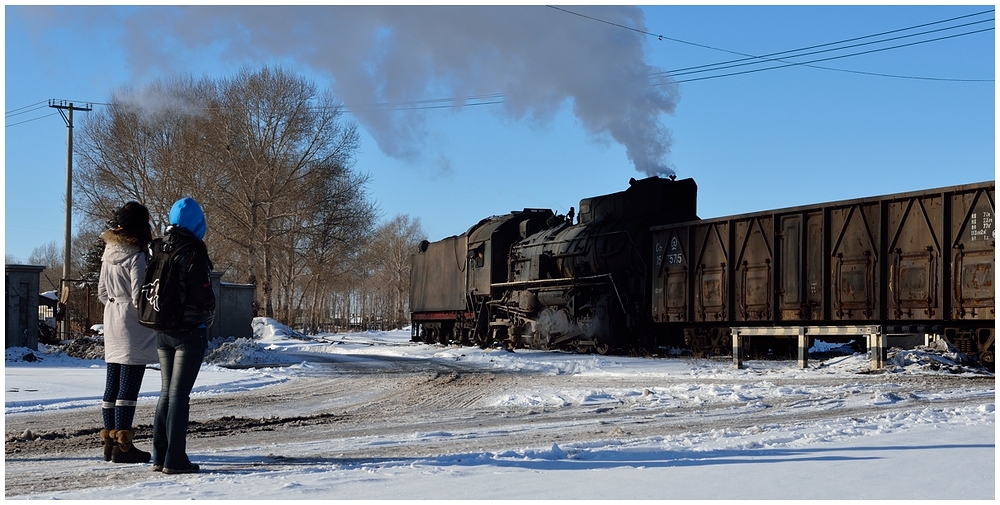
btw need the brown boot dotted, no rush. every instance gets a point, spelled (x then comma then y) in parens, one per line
(124, 451)
(108, 437)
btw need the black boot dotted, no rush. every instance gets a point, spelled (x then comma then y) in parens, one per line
(124, 451)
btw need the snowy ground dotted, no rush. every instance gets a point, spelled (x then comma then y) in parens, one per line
(587, 426)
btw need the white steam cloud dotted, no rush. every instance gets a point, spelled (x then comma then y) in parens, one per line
(536, 58)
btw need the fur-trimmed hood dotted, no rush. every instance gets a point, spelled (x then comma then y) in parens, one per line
(119, 246)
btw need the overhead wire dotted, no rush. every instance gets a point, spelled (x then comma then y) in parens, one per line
(13, 112)
(751, 57)
(768, 58)
(30, 120)
(807, 63)
(842, 41)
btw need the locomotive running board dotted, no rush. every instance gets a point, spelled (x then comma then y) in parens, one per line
(593, 280)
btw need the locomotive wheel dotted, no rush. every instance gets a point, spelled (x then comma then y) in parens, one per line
(987, 359)
(464, 338)
(483, 340)
(602, 348)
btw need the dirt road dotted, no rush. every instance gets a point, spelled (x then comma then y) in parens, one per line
(373, 407)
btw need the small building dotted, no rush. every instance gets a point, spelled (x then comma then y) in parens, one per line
(21, 288)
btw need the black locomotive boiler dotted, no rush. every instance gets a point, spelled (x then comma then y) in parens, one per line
(639, 272)
(535, 279)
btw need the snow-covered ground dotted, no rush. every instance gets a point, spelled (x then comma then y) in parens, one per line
(941, 448)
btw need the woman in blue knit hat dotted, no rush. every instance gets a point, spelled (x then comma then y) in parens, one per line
(181, 349)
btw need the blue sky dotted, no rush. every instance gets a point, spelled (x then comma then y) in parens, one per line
(909, 118)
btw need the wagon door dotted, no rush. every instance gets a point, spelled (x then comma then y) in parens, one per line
(800, 266)
(973, 255)
(854, 261)
(914, 258)
(753, 268)
(711, 282)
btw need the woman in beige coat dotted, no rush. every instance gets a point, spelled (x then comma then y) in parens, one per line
(128, 346)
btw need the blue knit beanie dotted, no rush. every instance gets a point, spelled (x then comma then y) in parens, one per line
(187, 214)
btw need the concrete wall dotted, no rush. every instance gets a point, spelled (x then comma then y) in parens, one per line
(233, 309)
(22, 305)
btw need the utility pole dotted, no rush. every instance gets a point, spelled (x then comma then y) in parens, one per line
(66, 110)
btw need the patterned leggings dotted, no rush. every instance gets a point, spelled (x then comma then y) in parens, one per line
(120, 394)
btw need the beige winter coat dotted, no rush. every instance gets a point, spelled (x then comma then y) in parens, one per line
(122, 267)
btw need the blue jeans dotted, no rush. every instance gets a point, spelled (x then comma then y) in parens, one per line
(181, 354)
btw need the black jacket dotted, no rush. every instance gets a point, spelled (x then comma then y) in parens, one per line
(196, 292)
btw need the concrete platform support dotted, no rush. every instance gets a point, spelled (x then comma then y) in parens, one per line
(737, 350)
(803, 348)
(877, 350)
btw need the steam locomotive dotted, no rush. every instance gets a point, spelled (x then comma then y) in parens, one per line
(640, 273)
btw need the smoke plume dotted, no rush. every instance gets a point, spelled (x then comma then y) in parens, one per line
(387, 62)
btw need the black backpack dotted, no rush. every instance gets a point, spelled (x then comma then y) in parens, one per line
(161, 306)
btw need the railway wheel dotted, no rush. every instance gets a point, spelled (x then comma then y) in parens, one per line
(429, 335)
(483, 340)
(602, 348)
(464, 336)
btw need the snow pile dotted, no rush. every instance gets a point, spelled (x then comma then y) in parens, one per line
(47, 356)
(83, 348)
(234, 351)
(826, 349)
(21, 355)
(265, 328)
(937, 357)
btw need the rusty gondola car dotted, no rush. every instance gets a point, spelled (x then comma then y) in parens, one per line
(917, 262)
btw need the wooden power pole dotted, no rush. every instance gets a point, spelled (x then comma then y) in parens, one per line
(66, 110)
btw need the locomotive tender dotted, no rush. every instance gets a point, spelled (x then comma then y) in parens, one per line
(640, 272)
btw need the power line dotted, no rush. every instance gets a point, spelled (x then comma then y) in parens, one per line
(30, 120)
(25, 111)
(767, 58)
(426, 104)
(806, 63)
(37, 105)
(750, 56)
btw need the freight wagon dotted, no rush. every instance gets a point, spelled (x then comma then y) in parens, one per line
(919, 262)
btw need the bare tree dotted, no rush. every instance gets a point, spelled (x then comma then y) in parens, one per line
(145, 146)
(267, 155)
(49, 256)
(286, 148)
(390, 257)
